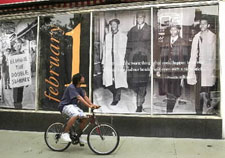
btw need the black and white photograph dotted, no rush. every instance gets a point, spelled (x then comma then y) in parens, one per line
(122, 61)
(18, 46)
(186, 75)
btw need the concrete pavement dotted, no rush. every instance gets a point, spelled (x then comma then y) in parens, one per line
(20, 144)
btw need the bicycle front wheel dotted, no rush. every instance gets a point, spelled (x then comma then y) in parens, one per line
(52, 137)
(103, 139)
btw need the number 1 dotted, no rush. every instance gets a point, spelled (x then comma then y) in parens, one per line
(75, 34)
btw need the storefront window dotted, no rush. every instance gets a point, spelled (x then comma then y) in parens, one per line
(18, 63)
(122, 42)
(185, 60)
(154, 59)
(186, 74)
(64, 51)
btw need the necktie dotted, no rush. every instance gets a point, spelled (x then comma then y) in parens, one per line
(200, 38)
(199, 42)
(172, 41)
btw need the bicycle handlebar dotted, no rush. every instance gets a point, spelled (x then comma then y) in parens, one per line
(92, 109)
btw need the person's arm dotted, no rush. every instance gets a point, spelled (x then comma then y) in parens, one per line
(89, 101)
(83, 101)
(128, 47)
(86, 101)
(191, 76)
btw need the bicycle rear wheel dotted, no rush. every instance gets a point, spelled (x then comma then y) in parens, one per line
(52, 137)
(103, 139)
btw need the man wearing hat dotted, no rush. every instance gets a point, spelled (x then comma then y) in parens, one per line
(173, 55)
(114, 74)
(139, 51)
(202, 64)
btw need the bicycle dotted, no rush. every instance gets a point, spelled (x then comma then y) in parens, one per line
(102, 138)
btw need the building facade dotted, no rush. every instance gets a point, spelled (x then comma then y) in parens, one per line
(155, 67)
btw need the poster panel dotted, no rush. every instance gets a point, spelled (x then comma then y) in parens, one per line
(122, 60)
(64, 51)
(186, 63)
(18, 63)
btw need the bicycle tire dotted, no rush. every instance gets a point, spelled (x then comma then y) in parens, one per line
(103, 139)
(52, 137)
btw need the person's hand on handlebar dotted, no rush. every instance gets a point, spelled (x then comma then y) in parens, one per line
(95, 106)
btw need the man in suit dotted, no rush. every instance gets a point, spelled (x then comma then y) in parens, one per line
(173, 54)
(202, 65)
(138, 57)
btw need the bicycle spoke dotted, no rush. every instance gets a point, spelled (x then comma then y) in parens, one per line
(52, 137)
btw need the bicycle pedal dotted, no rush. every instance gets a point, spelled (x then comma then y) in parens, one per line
(82, 145)
(75, 142)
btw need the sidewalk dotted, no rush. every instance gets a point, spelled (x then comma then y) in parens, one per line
(16, 144)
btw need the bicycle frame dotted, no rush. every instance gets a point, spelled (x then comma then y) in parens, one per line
(92, 120)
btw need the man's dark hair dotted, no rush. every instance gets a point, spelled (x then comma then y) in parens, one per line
(205, 17)
(140, 13)
(76, 78)
(114, 20)
(176, 26)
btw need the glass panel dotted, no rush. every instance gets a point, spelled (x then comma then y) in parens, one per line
(122, 60)
(64, 51)
(186, 61)
(18, 63)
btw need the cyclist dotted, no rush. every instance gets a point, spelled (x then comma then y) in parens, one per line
(73, 95)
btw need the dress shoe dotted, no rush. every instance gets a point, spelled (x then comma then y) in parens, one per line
(139, 109)
(114, 102)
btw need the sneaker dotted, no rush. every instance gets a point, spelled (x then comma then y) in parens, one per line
(66, 137)
(82, 141)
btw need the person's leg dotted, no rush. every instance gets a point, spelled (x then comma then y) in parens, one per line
(5, 80)
(73, 114)
(77, 113)
(20, 94)
(70, 123)
(18, 97)
(171, 101)
(141, 93)
(198, 97)
(199, 102)
(116, 94)
(173, 92)
(82, 125)
(205, 97)
(16, 103)
(15, 90)
(112, 90)
(84, 122)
